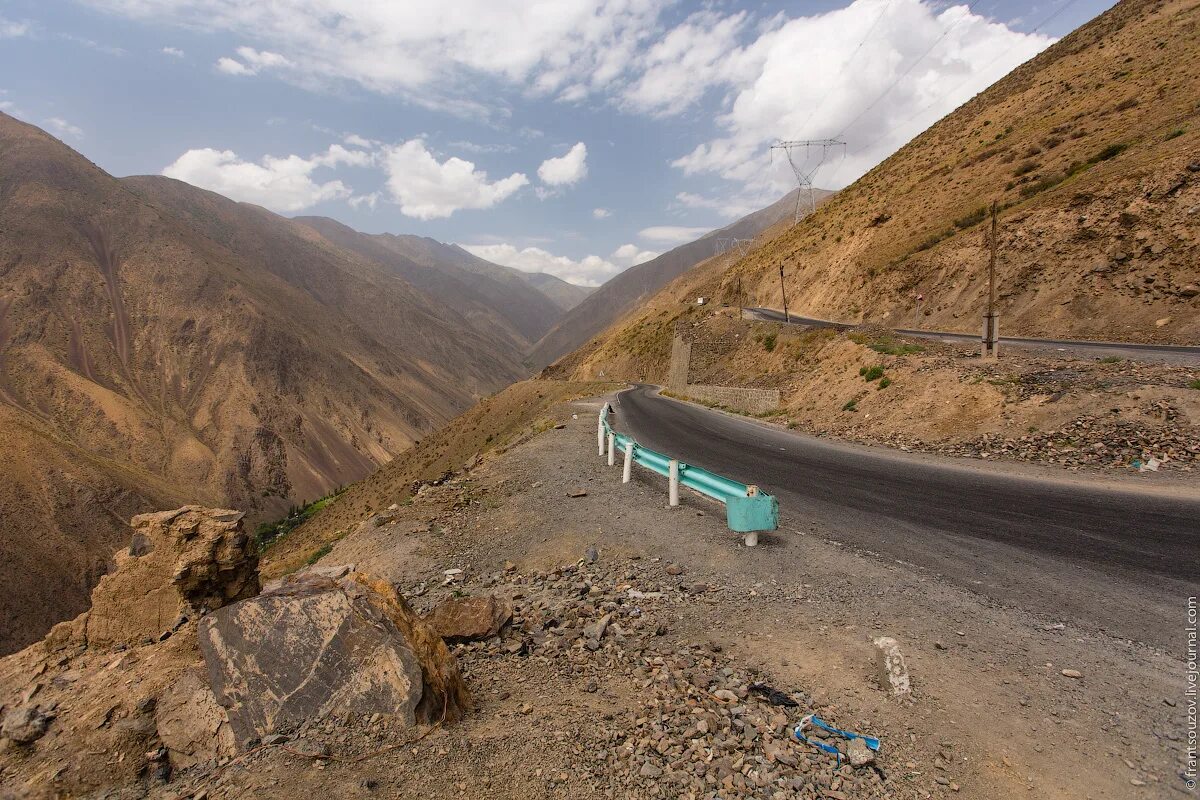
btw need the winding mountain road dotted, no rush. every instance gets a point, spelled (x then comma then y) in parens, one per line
(1106, 554)
(1170, 353)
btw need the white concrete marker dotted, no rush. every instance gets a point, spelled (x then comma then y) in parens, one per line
(627, 475)
(673, 479)
(600, 434)
(612, 449)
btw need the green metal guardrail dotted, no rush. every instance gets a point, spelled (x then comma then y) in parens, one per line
(747, 510)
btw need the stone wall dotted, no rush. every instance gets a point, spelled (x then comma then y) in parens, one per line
(751, 401)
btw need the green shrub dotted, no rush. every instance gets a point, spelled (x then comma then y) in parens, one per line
(1112, 151)
(1175, 134)
(320, 553)
(1025, 168)
(1194, 385)
(886, 382)
(873, 374)
(1111, 360)
(851, 405)
(1048, 182)
(974, 218)
(768, 342)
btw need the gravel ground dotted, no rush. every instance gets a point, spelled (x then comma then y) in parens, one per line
(696, 618)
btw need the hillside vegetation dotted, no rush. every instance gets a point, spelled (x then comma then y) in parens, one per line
(1092, 149)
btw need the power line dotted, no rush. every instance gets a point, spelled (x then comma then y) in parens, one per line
(846, 63)
(968, 79)
(906, 72)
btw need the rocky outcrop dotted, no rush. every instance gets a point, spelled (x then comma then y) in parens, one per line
(469, 619)
(181, 564)
(321, 643)
(192, 726)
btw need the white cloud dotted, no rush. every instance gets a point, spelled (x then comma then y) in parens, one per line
(64, 128)
(428, 189)
(253, 62)
(565, 170)
(431, 51)
(283, 184)
(231, 67)
(601, 213)
(174, 52)
(631, 254)
(672, 234)
(368, 200)
(587, 271)
(10, 29)
(768, 100)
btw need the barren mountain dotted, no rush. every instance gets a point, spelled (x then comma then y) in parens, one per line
(1090, 149)
(623, 293)
(162, 343)
(565, 295)
(495, 298)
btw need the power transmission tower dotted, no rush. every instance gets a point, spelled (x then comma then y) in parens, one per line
(804, 173)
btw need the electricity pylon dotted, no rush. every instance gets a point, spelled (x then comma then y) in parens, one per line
(804, 175)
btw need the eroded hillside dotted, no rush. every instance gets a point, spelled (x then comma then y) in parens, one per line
(1091, 149)
(149, 328)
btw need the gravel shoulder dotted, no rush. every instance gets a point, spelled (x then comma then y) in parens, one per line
(991, 716)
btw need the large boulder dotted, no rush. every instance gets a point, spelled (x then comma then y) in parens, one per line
(181, 564)
(323, 643)
(468, 619)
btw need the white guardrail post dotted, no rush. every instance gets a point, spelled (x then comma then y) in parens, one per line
(600, 431)
(612, 449)
(627, 474)
(673, 481)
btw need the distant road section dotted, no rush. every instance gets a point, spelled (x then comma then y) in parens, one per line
(1175, 354)
(1118, 559)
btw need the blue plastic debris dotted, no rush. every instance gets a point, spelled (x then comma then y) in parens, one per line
(811, 719)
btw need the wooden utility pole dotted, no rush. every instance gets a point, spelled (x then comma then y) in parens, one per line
(783, 291)
(991, 319)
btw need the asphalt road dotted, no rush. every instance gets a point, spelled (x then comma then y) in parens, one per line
(1175, 354)
(1121, 560)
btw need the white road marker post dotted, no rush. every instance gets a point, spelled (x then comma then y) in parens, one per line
(673, 482)
(627, 475)
(600, 431)
(751, 536)
(612, 449)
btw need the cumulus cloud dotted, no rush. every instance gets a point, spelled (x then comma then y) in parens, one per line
(173, 52)
(64, 128)
(566, 169)
(601, 213)
(283, 184)
(588, 271)
(918, 61)
(426, 188)
(672, 234)
(431, 51)
(252, 62)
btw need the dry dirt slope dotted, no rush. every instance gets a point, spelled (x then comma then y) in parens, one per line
(1093, 148)
(162, 330)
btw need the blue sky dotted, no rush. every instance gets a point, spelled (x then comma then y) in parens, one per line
(577, 137)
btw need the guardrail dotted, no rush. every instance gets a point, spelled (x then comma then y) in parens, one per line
(747, 510)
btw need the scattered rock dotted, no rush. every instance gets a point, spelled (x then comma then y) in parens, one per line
(577, 493)
(25, 724)
(859, 754)
(470, 619)
(1072, 673)
(891, 669)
